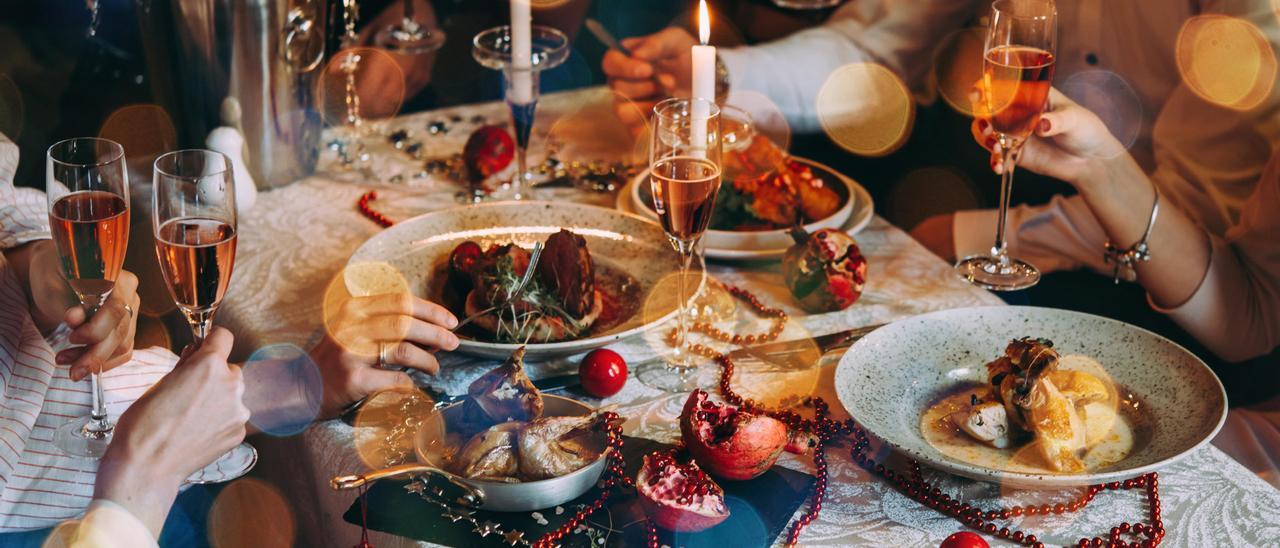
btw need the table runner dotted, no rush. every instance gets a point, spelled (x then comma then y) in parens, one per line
(297, 238)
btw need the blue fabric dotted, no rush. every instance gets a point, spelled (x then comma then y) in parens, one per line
(184, 527)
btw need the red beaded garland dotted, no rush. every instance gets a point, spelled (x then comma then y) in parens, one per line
(913, 485)
(367, 211)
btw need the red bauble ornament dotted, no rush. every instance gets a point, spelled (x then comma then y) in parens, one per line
(488, 151)
(602, 372)
(825, 271)
(964, 539)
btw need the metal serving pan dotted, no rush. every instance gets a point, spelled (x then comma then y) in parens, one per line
(490, 495)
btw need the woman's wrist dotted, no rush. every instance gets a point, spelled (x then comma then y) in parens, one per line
(145, 489)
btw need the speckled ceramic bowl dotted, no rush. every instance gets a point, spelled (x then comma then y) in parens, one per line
(888, 379)
(620, 243)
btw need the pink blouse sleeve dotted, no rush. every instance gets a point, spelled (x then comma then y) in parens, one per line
(1236, 310)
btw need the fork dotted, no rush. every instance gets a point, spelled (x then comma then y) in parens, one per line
(515, 294)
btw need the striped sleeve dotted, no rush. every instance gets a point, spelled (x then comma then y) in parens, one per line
(23, 211)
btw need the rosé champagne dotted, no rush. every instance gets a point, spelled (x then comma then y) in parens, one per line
(91, 231)
(196, 256)
(1016, 81)
(684, 194)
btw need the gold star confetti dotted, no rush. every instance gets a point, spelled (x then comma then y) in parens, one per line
(456, 515)
(487, 528)
(513, 537)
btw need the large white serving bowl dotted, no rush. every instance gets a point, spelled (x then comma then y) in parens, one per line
(889, 378)
(419, 248)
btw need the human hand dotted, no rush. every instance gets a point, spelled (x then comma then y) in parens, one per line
(107, 336)
(186, 421)
(659, 67)
(1069, 143)
(410, 328)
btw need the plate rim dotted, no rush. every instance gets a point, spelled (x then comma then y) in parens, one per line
(485, 349)
(1025, 479)
(859, 216)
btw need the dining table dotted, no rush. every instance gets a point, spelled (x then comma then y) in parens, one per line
(296, 240)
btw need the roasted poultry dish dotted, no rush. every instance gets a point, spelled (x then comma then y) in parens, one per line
(509, 440)
(1032, 398)
(560, 303)
(768, 190)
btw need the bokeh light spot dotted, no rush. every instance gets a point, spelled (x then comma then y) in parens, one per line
(341, 321)
(1226, 60)
(283, 389)
(766, 118)
(865, 109)
(145, 131)
(379, 85)
(250, 512)
(594, 130)
(1111, 98)
(374, 278)
(401, 408)
(957, 65)
(11, 108)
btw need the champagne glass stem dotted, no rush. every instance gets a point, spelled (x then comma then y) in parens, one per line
(1008, 156)
(98, 426)
(201, 321)
(682, 322)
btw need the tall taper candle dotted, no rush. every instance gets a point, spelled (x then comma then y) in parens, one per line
(522, 53)
(704, 78)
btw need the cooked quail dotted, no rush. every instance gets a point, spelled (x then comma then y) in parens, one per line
(506, 393)
(491, 454)
(551, 447)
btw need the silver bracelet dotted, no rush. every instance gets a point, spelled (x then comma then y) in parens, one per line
(1128, 259)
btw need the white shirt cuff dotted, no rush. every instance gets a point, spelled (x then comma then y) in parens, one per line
(109, 525)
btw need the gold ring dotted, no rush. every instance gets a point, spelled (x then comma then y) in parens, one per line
(382, 355)
(129, 309)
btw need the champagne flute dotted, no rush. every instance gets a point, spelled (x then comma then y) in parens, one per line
(194, 217)
(87, 185)
(1017, 72)
(684, 163)
(193, 213)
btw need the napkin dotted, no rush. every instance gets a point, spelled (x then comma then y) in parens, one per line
(759, 511)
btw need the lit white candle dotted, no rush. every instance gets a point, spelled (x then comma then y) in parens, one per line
(704, 77)
(521, 53)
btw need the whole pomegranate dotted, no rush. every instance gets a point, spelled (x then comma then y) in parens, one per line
(728, 442)
(679, 496)
(489, 150)
(824, 271)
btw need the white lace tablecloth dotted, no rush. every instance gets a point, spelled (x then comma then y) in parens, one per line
(298, 237)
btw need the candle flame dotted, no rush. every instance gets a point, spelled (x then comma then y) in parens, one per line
(704, 22)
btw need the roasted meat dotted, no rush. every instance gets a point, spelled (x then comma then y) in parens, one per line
(775, 189)
(565, 269)
(506, 393)
(551, 447)
(986, 422)
(491, 454)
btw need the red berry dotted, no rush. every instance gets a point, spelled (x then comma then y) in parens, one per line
(603, 372)
(488, 151)
(964, 539)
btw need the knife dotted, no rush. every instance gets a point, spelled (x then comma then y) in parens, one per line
(804, 353)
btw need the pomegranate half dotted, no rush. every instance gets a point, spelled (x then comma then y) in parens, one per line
(728, 442)
(679, 496)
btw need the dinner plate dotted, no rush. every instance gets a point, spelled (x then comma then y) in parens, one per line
(889, 378)
(627, 245)
(853, 215)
